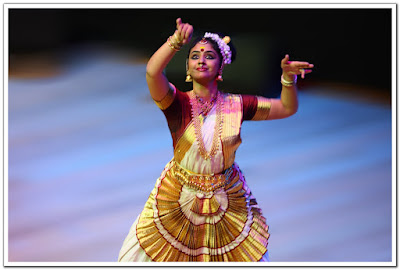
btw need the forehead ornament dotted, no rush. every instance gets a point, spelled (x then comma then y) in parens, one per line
(203, 41)
(202, 49)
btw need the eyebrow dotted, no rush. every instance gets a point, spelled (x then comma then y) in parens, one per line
(205, 51)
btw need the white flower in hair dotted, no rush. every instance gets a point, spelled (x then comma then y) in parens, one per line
(223, 46)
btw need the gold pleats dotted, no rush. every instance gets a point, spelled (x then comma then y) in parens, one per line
(185, 142)
(173, 227)
(205, 206)
(231, 128)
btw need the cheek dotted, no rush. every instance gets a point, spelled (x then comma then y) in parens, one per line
(216, 65)
(191, 63)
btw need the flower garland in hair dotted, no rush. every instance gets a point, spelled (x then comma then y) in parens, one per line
(223, 46)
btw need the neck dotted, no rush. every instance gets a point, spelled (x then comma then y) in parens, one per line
(205, 91)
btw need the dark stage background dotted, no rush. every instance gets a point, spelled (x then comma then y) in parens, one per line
(346, 45)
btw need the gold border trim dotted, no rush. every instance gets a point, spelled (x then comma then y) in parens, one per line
(168, 99)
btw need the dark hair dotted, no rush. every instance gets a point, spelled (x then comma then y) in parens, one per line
(194, 41)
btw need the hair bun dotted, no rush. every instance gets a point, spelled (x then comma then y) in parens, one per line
(226, 39)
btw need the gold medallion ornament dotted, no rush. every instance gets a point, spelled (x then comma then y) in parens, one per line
(201, 109)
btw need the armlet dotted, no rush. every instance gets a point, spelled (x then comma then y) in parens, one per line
(263, 108)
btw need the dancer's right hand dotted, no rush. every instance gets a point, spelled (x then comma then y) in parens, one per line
(183, 32)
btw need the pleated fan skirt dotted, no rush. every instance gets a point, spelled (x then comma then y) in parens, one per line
(181, 223)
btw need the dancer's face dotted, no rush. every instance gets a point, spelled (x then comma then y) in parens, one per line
(203, 62)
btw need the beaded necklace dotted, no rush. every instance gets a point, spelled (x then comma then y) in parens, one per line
(197, 115)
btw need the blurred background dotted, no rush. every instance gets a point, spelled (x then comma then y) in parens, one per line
(86, 142)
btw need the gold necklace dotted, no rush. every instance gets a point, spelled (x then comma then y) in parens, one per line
(205, 106)
(198, 123)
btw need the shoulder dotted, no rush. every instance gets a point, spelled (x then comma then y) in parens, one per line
(232, 98)
(173, 98)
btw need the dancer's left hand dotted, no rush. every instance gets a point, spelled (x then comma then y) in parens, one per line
(290, 68)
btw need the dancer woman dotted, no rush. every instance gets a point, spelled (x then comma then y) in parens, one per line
(201, 208)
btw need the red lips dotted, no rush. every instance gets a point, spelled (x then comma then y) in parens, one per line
(201, 69)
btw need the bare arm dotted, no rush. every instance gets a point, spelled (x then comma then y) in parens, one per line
(156, 80)
(288, 103)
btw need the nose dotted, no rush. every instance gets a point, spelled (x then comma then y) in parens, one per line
(202, 59)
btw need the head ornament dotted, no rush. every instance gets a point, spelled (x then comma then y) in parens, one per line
(222, 45)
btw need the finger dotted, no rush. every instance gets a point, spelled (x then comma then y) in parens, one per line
(188, 33)
(308, 71)
(285, 60)
(178, 22)
(302, 64)
(180, 33)
(179, 29)
(304, 72)
(184, 29)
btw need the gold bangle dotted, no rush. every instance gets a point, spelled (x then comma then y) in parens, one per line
(171, 45)
(288, 83)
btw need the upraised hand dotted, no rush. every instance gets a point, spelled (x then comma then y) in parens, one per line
(183, 32)
(295, 67)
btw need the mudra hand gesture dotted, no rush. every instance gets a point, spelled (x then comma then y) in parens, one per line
(182, 35)
(290, 68)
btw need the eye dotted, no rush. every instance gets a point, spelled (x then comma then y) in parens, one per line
(194, 56)
(210, 56)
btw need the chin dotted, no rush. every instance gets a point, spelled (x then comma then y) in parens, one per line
(205, 78)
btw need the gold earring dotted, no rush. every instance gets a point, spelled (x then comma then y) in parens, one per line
(188, 77)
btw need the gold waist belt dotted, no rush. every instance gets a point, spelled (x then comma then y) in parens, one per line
(203, 182)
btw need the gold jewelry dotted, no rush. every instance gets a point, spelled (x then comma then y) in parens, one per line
(203, 41)
(173, 45)
(205, 183)
(288, 83)
(205, 106)
(179, 42)
(198, 125)
(188, 77)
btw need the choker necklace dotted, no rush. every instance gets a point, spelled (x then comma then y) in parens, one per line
(205, 106)
(197, 115)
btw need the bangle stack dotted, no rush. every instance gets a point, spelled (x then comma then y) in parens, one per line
(173, 44)
(288, 83)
